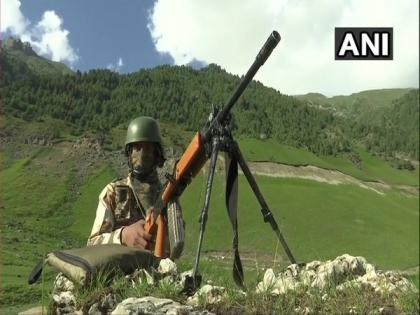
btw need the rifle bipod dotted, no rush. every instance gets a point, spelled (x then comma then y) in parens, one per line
(221, 139)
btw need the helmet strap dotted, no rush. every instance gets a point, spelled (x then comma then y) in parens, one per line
(140, 176)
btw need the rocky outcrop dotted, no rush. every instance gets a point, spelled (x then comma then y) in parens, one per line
(342, 272)
(150, 305)
(88, 143)
(41, 141)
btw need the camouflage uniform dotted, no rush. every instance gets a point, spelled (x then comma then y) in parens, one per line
(122, 203)
(125, 201)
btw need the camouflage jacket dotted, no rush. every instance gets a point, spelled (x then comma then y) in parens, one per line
(121, 203)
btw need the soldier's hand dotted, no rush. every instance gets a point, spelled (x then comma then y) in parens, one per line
(134, 235)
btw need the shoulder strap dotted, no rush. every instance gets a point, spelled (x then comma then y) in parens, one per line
(36, 272)
(143, 211)
(232, 208)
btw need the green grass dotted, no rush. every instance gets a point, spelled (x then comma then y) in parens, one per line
(273, 151)
(319, 221)
(414, 279)
(375, 98)
(35, 219)
(373, 169)
(329, 300)
(381, 170)
(84, 209)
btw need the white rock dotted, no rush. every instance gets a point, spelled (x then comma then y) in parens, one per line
(150, 305)
(209, 294)
(167, 266)
(307, 277)
(268, 281)
(304, 311)
(313, 265)
(284, 283)
(62, 283)
(64, 298)
(293, 270)
(370, 270)
(343, 272)
(141, 276)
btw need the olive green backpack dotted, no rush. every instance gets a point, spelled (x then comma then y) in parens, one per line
(81, 264)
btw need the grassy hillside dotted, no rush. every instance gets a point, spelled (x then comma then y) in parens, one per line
(20, 60)
(356, 220)
(48, 205)
(34, 221)
(330, 220)
(372, 99)
(99, 100)
(62, 140)
(372, 168)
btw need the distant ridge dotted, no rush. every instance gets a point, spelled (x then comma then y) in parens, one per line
(21, 56)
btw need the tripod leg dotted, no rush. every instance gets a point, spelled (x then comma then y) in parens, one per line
(204, 212)
(267, 215)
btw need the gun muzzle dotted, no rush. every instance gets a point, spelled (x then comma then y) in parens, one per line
(262, 56)
(268, 47)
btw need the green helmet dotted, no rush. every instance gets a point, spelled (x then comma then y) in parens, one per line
(145, 129)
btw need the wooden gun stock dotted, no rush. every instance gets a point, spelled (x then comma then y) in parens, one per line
(156, 226)
(188, 166)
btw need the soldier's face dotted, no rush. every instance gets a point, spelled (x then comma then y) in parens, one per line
(143, 156)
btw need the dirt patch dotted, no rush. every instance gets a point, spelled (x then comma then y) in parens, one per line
(248, 259)
(324, 176)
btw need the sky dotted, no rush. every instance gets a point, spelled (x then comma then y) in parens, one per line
(128, 35)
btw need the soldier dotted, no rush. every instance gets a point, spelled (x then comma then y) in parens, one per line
(123, 203)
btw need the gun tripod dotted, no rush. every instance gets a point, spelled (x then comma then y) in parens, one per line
(221, 140)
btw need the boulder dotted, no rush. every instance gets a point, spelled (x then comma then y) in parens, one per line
(342, 272)
(150, 305)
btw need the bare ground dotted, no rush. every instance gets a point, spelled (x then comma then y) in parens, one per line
(324, 176)
(253, 260)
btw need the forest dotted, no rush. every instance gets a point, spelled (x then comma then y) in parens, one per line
(99, 100)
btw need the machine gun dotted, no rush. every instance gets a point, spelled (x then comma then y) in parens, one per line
(215, 137)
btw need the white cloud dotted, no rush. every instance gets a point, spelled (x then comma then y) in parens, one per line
(230, 33)
(50, 39)
(47, 37)
(117, 66)
(11, 18)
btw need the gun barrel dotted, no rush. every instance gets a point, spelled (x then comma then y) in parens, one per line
(262, 56)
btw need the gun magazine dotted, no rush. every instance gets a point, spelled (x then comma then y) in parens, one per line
(176, 229)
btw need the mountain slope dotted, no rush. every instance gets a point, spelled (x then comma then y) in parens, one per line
(384, 121)
(101, 99)
(50, 186)
(19, 61)
(371, 99)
